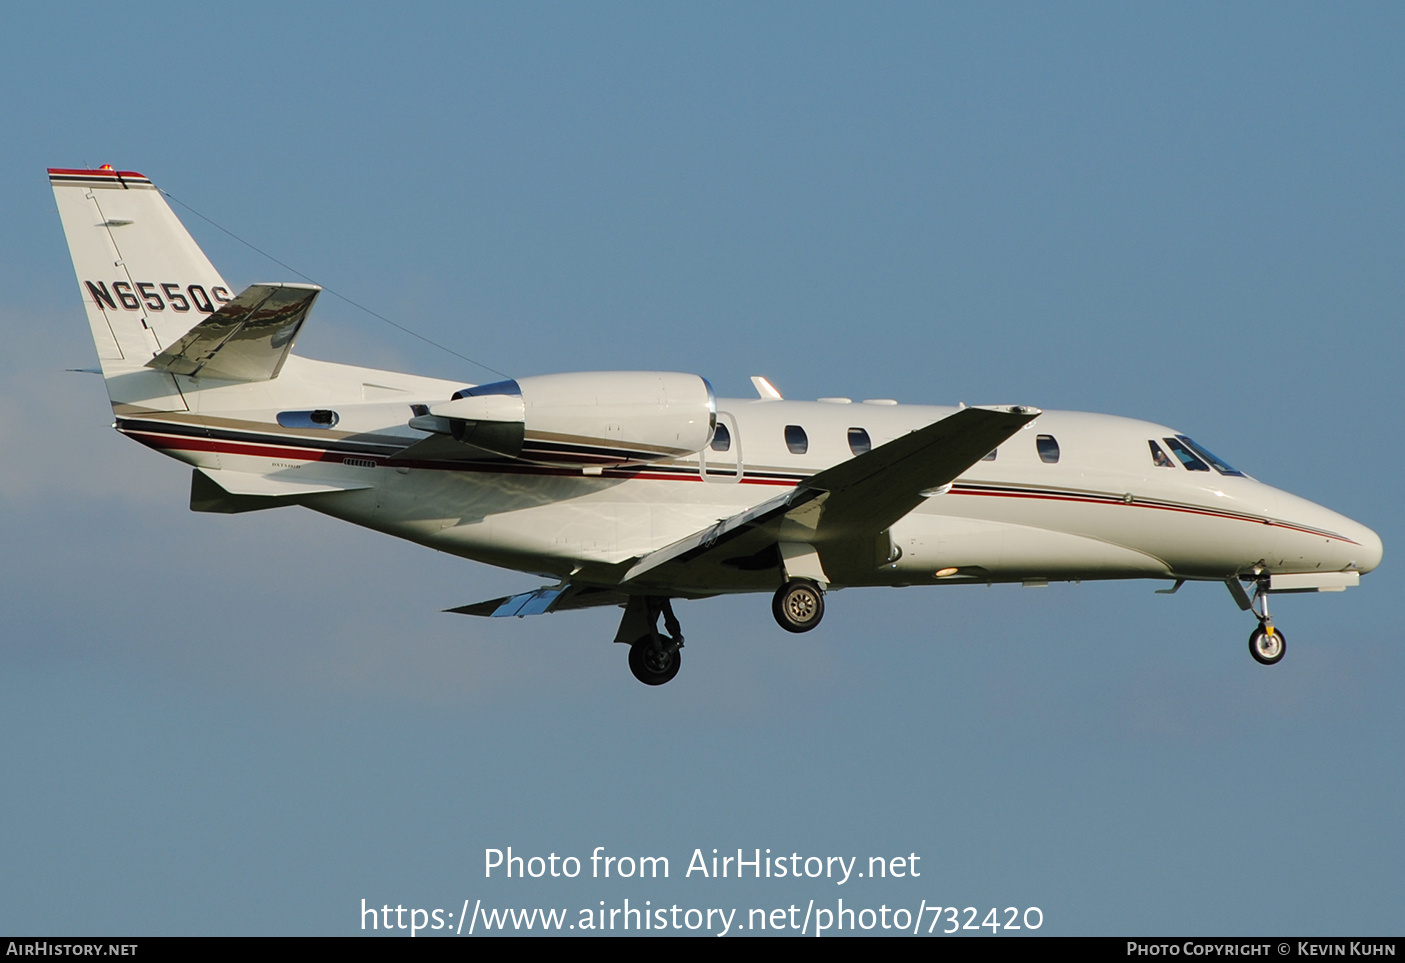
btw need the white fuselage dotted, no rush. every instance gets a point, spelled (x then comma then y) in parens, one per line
(1104, 509)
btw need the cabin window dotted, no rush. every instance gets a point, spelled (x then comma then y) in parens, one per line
(1188, 458)
(1220, 465)
(1158, 457)
(721, 438)
(990, 455)
(1048, 449)
(320, 418)
(796, 440)
(859, 442)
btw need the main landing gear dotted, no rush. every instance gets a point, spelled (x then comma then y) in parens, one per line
(1266, 644)
(798, 605)
(653, 658)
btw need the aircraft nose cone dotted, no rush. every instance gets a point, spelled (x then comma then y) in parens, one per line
(1369, 555)
(1351, 545)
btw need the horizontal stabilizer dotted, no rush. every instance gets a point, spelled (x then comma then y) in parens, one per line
(247, 339)
(276, 485)
(232, 492)
(550, 598)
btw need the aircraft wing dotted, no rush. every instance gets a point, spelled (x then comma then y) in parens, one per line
(726, 533)
(855, 499)
(548, 598)
(247, 339)
(871, 491)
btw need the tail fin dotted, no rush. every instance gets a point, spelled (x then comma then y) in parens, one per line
(144, 280)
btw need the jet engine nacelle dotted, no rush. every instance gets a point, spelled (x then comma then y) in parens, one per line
(585, 419)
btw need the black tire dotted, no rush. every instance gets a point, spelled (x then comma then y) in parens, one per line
(650, 666)
(798, 606)
(1266, 649)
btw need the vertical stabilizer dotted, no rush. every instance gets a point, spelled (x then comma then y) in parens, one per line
(143, 279)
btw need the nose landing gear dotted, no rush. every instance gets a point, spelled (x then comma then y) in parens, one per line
(1266, 644)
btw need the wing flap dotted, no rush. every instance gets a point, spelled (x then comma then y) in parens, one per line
(247, 339)
(724, 533)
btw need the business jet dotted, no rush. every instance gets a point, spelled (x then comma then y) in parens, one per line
(633, 489)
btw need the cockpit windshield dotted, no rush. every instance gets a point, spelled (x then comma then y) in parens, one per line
(1221, 466)
(1188, 458)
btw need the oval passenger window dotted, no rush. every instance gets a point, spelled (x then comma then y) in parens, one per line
(859, 442)
(796, 440)
(1048, 449)
(721, 438)
(321, 418)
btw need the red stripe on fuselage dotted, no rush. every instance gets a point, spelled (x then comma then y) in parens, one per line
(161, 441)
(1185, 509)
(185, 443)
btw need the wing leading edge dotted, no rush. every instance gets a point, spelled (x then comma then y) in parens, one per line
(871, 491)
(855, 500)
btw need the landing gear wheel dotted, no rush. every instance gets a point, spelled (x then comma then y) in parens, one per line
(652, 664)
(798, 606)
(1266, 645)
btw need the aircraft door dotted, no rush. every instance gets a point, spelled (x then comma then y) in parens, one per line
(722, 458)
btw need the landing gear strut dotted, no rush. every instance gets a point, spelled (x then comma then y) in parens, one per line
(798, 605)
(1266, 644)
(653, 658)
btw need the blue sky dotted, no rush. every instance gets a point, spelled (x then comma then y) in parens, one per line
(1191, 214)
